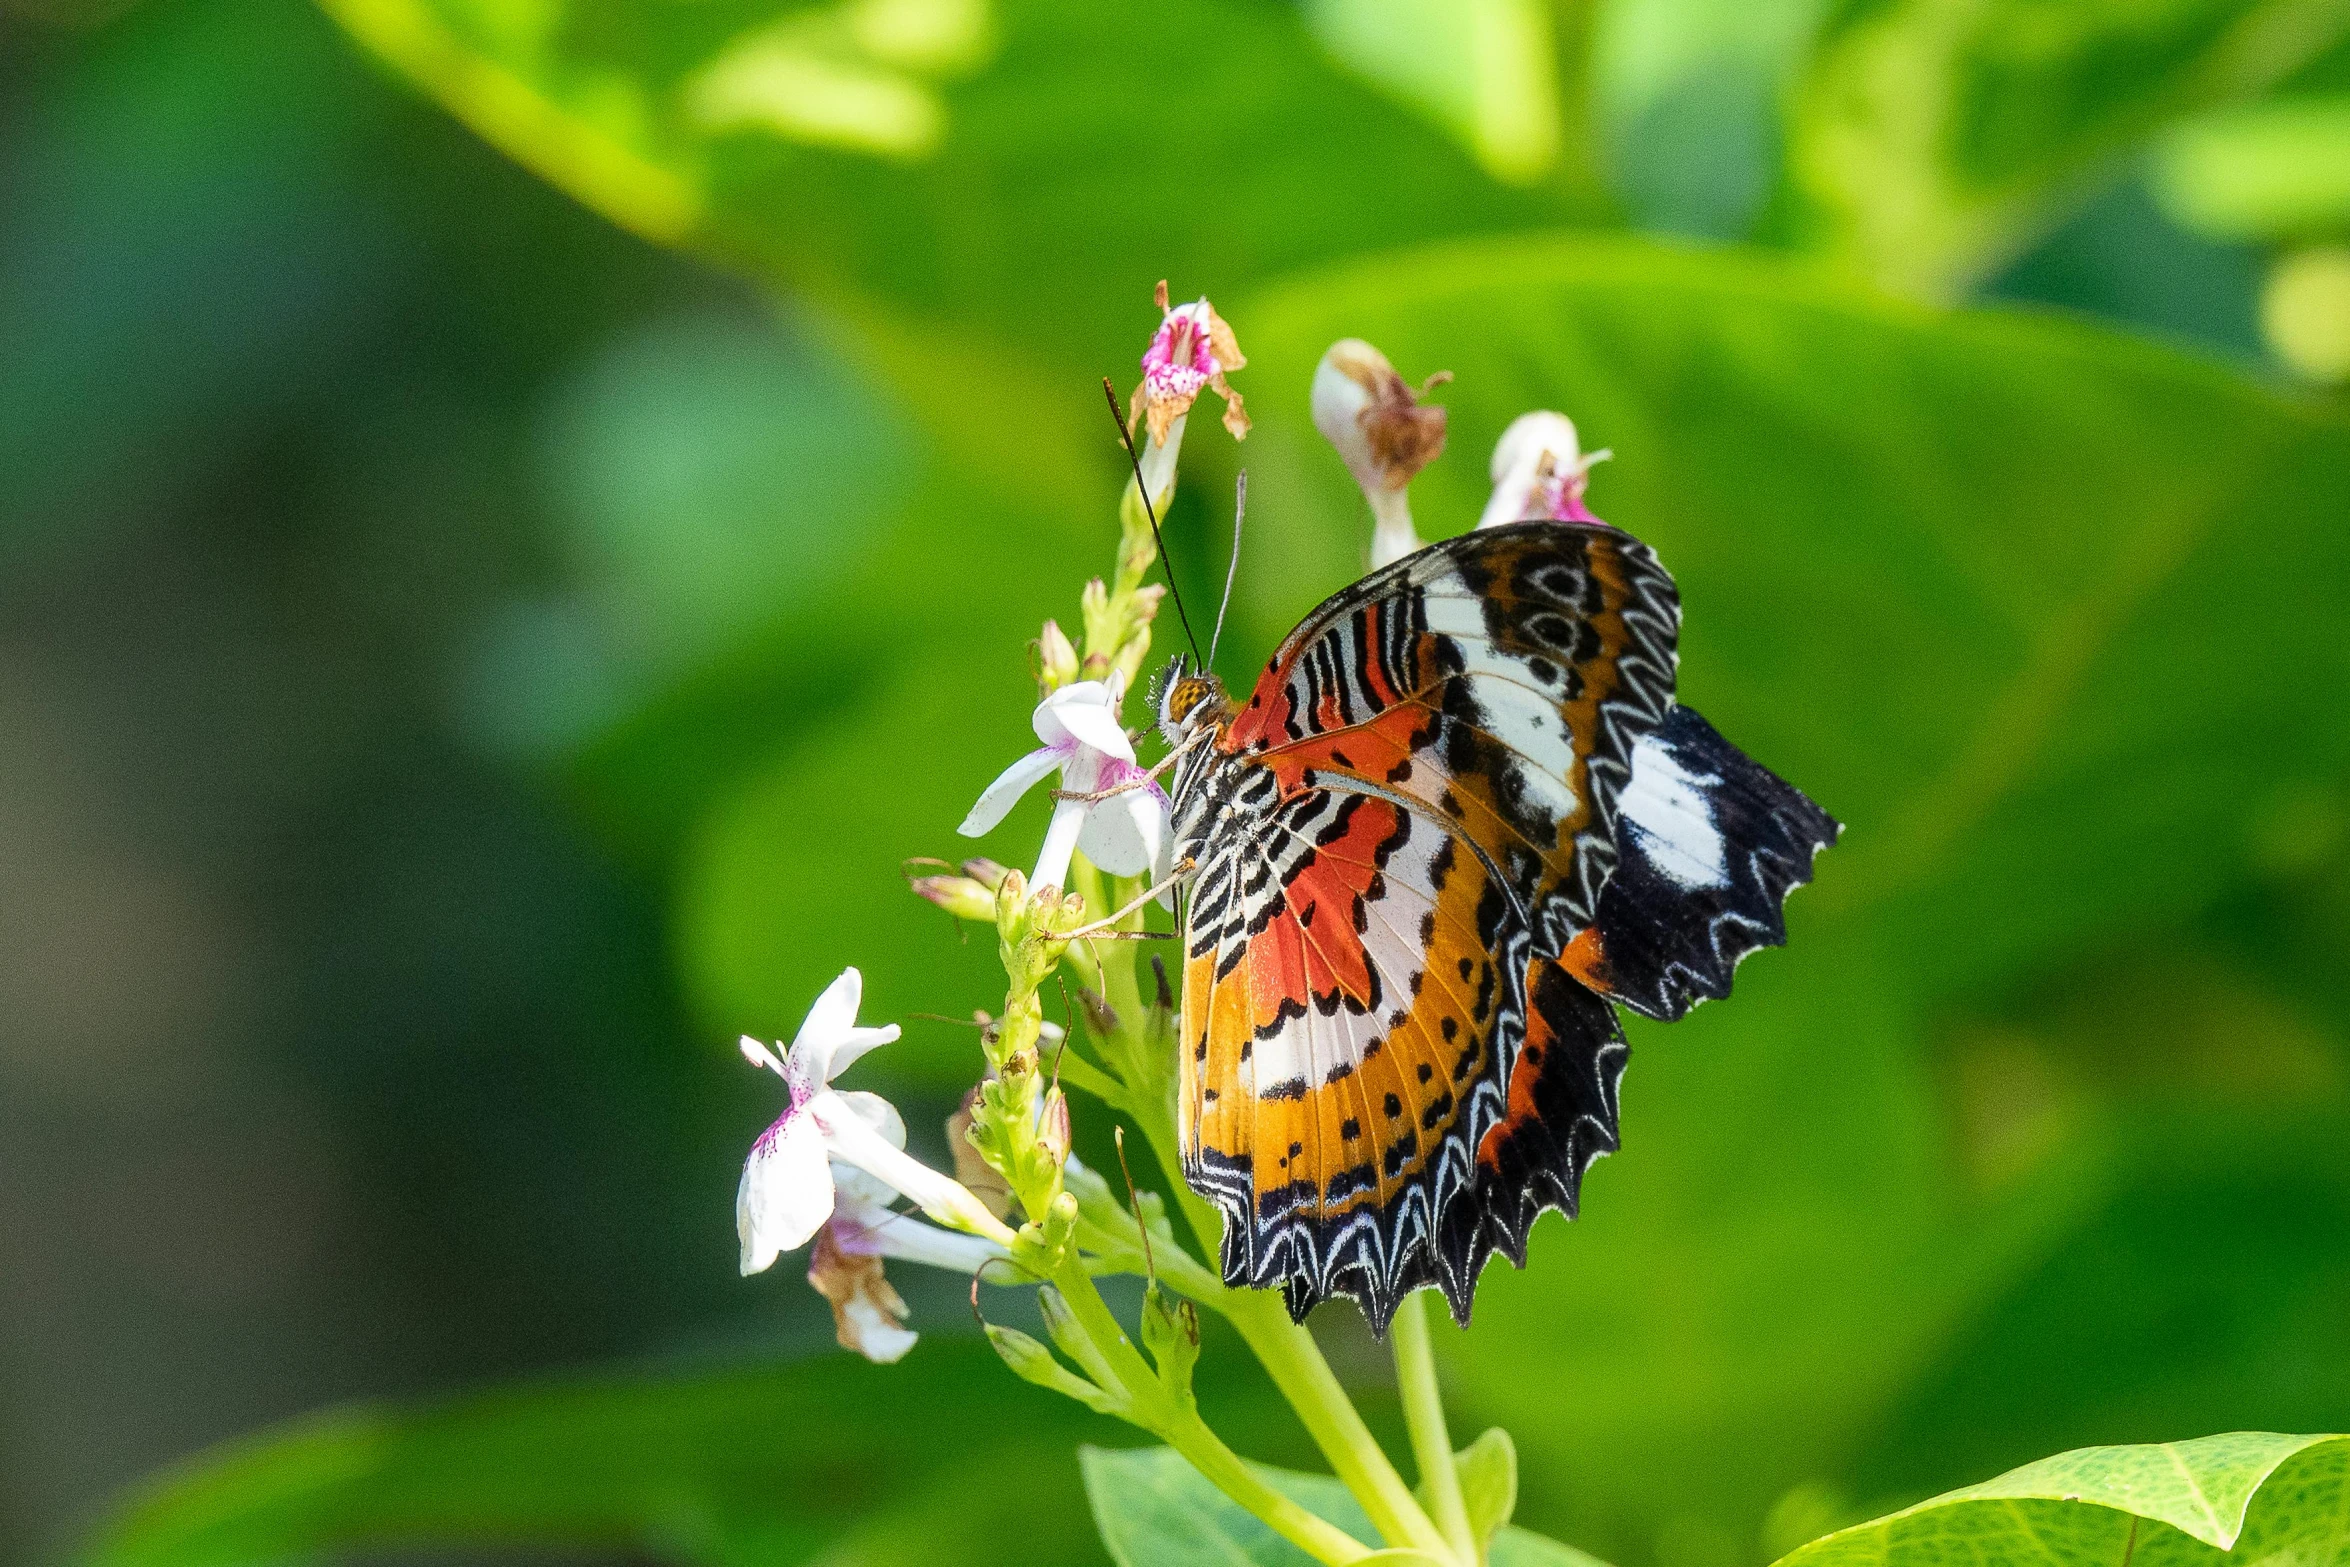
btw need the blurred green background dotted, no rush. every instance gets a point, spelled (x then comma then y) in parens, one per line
(515, 517)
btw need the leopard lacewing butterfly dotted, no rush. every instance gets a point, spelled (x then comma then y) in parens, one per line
(1457, 822)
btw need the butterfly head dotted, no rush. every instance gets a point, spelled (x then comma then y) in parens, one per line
(1187, 700)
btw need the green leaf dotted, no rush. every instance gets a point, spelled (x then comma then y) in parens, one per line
(1155, 1510)
(2265, 171)
(2259, 1496)
(1489, 1481)
(1939, 570)
(1935, 138)
(766, 1464)
(1483, 69)
(924, 153)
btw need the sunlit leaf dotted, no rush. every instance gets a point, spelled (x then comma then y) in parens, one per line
(2256, 1496)
(1934, 138)
(2263, 171)
(1485, 70)
(925, 153)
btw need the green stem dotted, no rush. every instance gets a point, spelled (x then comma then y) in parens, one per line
(1294, 1361)
(1423, 1413)
(1183, 1430)
(1309, 1532)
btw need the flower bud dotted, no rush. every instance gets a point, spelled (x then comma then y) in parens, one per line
(986, 872)
(1170, 1331)
(961, 896)
(1539, 472)
(1382, 431)
(971, 1166)
(1052, 1132)
(1030, 1361)
(1056, 658)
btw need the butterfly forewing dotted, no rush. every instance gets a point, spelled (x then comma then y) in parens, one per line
(1396, 837)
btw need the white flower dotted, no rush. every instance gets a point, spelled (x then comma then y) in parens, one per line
(1540, 471)
(788, 1188)
(1384, 433)
(1125, 833)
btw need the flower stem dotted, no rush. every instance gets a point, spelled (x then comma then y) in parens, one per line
(1309, 1532)
(1423, 1413)
(1294, 1361)
(1284, 1348)
(1182, 1429)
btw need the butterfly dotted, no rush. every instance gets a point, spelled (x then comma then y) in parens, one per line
(1458, 821)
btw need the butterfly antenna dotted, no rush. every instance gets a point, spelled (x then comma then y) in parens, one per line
(1118, 417)
(1231, 572)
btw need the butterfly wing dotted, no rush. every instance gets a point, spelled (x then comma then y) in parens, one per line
(1710, 844)
(1386, 1077)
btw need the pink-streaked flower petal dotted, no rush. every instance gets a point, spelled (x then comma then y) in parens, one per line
(858, 1042)
(860, 1201)
(810, 1064)
(786, 1192)
(997, 800)
(854, 1141)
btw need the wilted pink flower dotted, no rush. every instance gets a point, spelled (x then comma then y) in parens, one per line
(1192, 351)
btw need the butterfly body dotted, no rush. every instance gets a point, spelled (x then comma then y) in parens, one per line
(1395, 1054)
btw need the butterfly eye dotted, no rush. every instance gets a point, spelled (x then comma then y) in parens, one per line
(1163, 685)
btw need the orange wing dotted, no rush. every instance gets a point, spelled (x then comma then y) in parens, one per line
(1382, 1078)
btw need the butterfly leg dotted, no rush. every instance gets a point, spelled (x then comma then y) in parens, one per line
(1147, 776)
(1106, 925)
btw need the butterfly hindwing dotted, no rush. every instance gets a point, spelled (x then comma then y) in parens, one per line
(1394, 839)
(1711, 843)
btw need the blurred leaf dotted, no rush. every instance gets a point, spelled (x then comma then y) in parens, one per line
(711, 478)
(1940, 571)
(2211, 1286)
(798, 872)
(1688, 95)
(1484, 70)
(1155, 1510)
(924, 153)
(762, 1465)
(1935, 138)
(2095, 1505)
(2305, 312)
(2264, 171)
